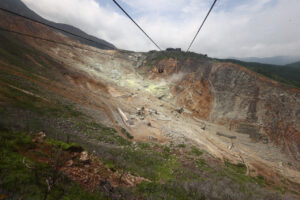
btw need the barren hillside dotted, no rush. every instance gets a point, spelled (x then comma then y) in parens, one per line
(173, 125)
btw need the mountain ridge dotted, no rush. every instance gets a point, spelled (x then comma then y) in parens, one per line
(295, 64)
(19, 7)
(288, 74)
(274, 60)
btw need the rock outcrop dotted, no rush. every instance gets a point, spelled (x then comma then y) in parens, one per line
(237, 98)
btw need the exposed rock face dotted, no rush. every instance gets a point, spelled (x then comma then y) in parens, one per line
(253, 105)
(195, 95)
(239, 99)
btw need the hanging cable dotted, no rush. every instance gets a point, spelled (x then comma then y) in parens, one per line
(136, 23)
(52, 41)
(51, 26)
(215, 1)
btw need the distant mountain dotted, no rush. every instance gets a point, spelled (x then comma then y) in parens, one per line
(19, 7)
(288, 74)
(276, 60)
(295, 65)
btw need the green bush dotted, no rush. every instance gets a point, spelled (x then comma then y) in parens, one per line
(126, 133)
(196, 151)
(65, 146)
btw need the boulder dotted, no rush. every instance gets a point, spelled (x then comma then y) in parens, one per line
(84, 157)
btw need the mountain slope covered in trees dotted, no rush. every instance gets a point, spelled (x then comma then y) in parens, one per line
(288, 74)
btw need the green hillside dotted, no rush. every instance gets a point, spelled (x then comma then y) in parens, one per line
(295, 65)
(287, 74)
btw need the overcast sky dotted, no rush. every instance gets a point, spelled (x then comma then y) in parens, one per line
(238, 28)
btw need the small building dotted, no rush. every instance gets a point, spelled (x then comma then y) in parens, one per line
(170, 49)
(173, 49)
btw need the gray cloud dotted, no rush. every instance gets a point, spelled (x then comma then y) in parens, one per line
(253, 28)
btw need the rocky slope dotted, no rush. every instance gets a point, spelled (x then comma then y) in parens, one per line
(176, 100)
(230, 95)
(237, 98)
(287, 74)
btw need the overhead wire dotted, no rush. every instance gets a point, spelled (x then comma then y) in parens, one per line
(51, 26)
(48, 40)
(60, 43)
(215, 1)
(136, 24)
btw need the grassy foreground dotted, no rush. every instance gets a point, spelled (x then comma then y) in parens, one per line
(171, 173)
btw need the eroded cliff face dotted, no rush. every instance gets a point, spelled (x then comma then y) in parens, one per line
(252, 105)
(237, 98)
(195, 95)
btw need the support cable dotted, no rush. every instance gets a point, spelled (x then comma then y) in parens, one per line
(215, 1)
(136, 23)
(48, 40)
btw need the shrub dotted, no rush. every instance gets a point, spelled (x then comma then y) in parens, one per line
(126, 133)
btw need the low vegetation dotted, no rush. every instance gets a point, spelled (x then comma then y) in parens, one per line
(171, 175)
(23, 177)
(126, 133)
